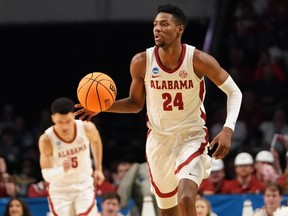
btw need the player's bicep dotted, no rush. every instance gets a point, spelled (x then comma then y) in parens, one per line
(206, 65)
(137, 87)
(92, 133)
(45, 149)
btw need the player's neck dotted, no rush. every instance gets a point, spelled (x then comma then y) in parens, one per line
(170, 57)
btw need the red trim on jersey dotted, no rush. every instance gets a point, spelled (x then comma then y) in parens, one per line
(158, 192)
(162, 66)
(201, 96)
(195, 154)
(51, 205)
(90, 208)
(203, 115)
(75, 134)
(202, 90)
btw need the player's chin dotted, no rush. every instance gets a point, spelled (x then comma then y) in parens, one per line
(159, 43)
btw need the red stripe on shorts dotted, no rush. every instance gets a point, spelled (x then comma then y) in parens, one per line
(90, 208)
(195, 154)
(158, 192)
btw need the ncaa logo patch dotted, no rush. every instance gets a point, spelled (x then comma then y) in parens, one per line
(58, 143)
(155, 70)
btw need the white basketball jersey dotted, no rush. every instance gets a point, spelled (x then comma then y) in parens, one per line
(174, 98)
(78, 151)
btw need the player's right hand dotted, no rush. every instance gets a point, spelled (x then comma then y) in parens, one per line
(84, 113)
(67, 164)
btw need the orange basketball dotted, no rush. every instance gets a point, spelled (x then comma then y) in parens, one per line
(96, 91)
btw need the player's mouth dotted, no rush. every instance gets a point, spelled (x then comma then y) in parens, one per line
(157, 37)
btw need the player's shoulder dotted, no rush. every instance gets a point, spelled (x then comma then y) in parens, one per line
(88, 125)
(43, 138)
(139, 57)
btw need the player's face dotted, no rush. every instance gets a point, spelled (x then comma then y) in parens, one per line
(15, 208)
(166, 30)
(64, 123)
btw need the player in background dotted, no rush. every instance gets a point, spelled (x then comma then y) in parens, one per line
(170, 76)
(66, 164)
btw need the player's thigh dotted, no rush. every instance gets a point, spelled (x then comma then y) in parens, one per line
(162, 169)
(85, 202)
(196, 169)
(60, 204)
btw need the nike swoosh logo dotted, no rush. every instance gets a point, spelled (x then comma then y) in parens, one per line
(155, 76)
(192, 174)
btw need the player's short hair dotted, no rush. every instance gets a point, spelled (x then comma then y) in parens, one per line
(62, 105)
(177, 13)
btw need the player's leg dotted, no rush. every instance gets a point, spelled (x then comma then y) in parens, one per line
(85, 202)
(60, 204)
(187, 191)
(161, 165)
(190, 176)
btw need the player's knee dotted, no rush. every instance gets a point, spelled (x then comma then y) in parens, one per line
(186, 201)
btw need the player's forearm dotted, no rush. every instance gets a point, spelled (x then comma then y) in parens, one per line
(234, 98)
(52, 174)
(98, 155)
(125, 105)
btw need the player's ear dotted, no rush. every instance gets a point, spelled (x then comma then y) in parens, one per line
(180, 29)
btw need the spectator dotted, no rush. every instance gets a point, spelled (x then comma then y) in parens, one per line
(25, 177)
(119, 169)
(206, 187)
(38, 189)
(244, 182)
(283, 179)
(203, 206)
(9, 149)
(133, 183)
(107, 185)
(110, 204)
(7, 185)
(17, 207)
(273, 195)
(264, 169)
(265, 60)
(278, 125)
(251, 112)
(270, 128)
(217, 177)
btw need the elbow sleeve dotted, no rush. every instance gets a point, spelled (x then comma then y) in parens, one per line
(234, 99)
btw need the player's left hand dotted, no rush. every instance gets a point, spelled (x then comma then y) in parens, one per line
(223, 139)
(99, 177)
(83, 112)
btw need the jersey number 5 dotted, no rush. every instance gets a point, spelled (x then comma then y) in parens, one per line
(74, 161)
(170, 102)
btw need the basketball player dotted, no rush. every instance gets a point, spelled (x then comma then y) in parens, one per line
(171, 77)
(66, 162)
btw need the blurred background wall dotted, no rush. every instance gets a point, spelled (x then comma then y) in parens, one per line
(39, 11)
